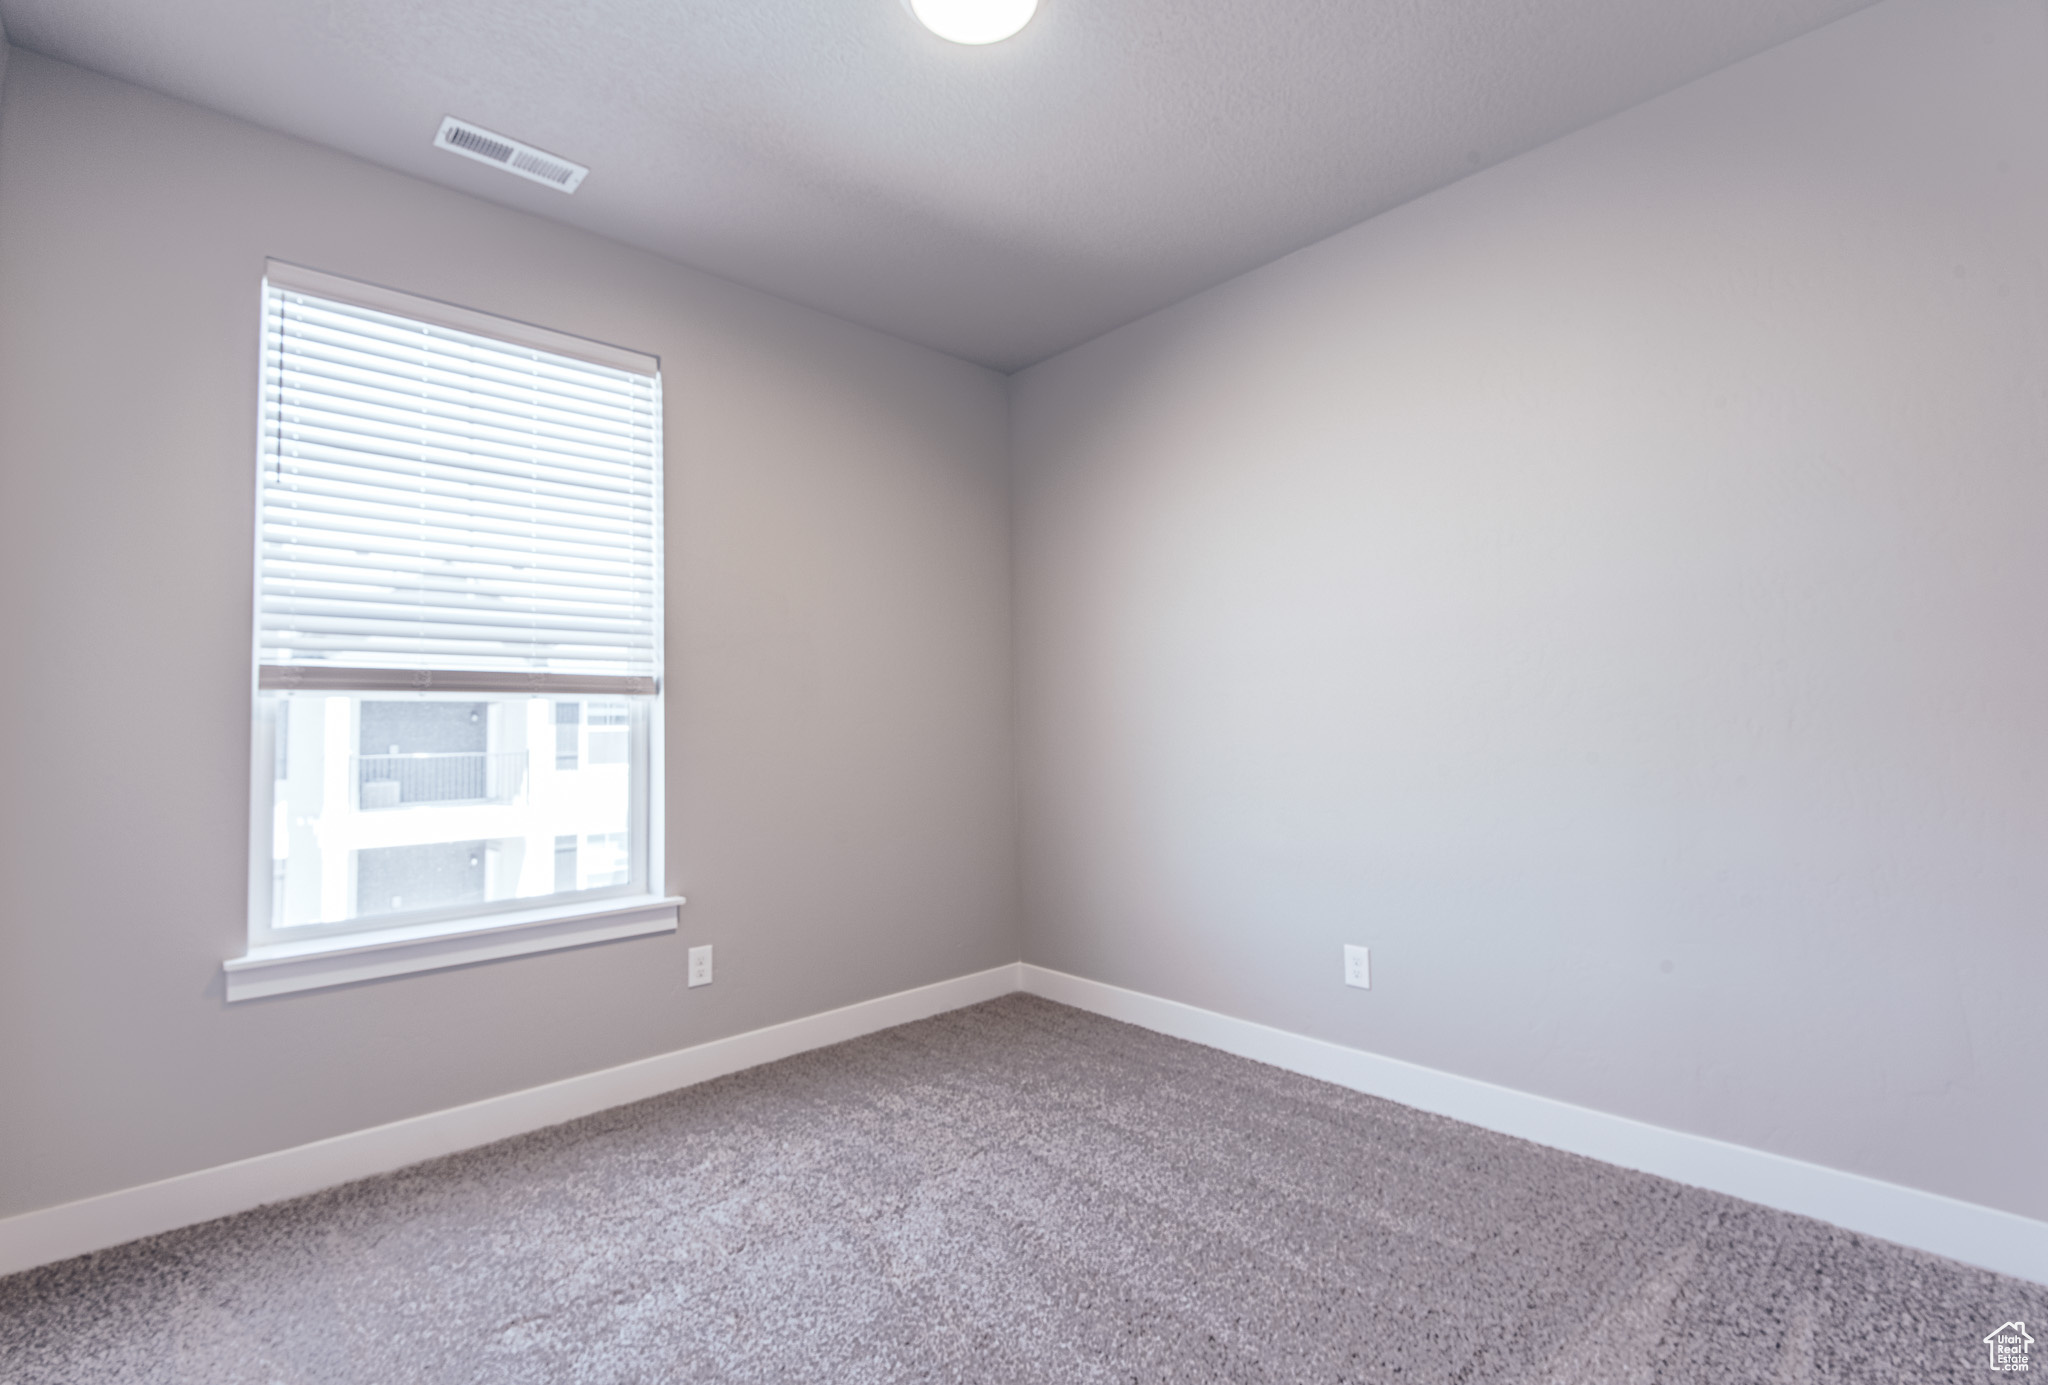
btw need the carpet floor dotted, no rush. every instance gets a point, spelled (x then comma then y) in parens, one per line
(1014, 1192)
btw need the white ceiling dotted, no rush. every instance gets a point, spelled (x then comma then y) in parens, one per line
(1000, 203)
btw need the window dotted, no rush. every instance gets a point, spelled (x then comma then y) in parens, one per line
(458, 632)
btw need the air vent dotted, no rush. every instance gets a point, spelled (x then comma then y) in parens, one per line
(473, 142)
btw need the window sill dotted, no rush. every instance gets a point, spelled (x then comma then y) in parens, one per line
(338, 961)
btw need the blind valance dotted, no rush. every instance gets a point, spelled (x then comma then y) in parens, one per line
(446, 501)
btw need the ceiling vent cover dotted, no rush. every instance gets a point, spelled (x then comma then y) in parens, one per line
(475, 142)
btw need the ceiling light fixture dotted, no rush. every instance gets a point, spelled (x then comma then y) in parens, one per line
(973, 21)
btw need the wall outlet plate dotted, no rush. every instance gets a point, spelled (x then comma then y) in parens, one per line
(700, 965)
(1357, 967)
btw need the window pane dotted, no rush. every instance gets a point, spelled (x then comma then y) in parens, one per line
(403, 804)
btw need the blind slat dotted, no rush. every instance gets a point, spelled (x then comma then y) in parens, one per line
(509, 634)
(372, 324)
(312, 558)
(359, 597)
(438, 499)
(447, 447)
(328, 408)
(425, 504)
(328, 367)
(285, 545)
(611, 485)
(445, 607)
(479, 478)
(493, 608)
(452, 353)
(450, 542)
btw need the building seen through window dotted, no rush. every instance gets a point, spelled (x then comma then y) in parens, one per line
(388, 805)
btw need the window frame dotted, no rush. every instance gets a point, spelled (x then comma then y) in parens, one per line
(307, 956)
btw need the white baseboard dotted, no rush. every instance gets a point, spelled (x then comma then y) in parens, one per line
(1964, 1231)
(57, 1233)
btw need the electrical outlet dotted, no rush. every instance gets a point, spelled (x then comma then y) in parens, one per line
(700, 965)
(1357, 967)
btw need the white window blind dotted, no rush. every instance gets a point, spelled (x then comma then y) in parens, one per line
(441, 507)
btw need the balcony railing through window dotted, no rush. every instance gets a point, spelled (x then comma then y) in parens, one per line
(396, 781)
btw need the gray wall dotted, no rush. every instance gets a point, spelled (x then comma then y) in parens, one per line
(840, 805)
(1612, 589)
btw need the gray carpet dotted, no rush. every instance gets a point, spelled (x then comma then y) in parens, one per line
(1015, 1192)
